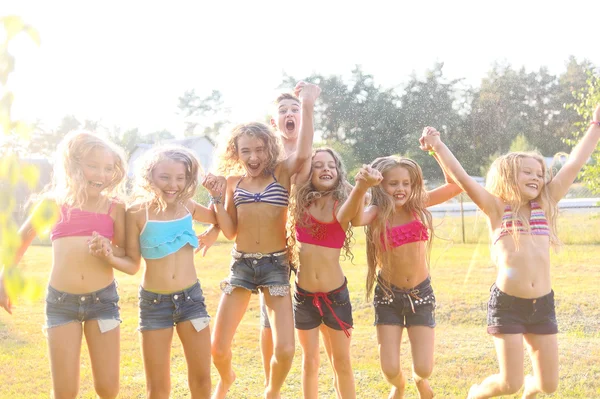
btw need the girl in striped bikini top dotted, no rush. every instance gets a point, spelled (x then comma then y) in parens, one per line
(538, 225)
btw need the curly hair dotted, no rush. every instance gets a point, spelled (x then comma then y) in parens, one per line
(306, 193)
(144, 192)
(230, 163)
(502, 182)
(377, 240)
(68, 185)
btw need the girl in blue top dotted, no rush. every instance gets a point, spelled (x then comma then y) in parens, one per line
(159, 229)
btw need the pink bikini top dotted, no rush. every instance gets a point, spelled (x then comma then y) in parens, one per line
(78, 223)
(412, 231)
(323, 234)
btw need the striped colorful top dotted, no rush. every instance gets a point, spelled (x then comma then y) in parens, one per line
(537, 222)
(274, 194)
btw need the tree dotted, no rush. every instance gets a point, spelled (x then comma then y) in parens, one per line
(588, 98)
(207, 112)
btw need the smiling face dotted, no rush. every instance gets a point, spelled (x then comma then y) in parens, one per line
(253, 154)
(324, 171)
(169, 180)
(288, 119)
(98, 168)
(530, 179)
(397, 184)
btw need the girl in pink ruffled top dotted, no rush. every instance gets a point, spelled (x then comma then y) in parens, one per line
(399, 232)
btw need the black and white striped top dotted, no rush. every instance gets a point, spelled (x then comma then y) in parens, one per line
(274, 194)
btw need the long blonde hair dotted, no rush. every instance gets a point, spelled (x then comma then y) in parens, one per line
(304, 194)
(502, 181)
(144, 193)
(377, 240)
(229, 161)
(68, 186)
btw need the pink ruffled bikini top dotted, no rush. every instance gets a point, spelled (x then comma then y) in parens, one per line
(412, 231)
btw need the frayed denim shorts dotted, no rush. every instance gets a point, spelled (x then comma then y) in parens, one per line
(257, 271)
(102, 305)
(159, 311)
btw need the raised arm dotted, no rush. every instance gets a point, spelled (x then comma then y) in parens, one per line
(444, 192)
(583, 150)
(353, 208)
(487, 202)
(308, 94)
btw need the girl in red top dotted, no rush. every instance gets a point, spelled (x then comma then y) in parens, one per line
(82, 294)
(399, 232)
(322, 208)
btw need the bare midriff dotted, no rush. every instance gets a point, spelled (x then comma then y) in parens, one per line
(319, 269)
(172, 273)
(261, 228)
(407, 266)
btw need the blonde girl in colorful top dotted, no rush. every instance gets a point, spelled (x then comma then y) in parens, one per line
(321, 212)
(160, 230)
(254, 212)
(399, 232)
(521, 203)
(82, 296)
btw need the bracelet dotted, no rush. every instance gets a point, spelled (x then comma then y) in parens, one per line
(216, 200)
(597, 123)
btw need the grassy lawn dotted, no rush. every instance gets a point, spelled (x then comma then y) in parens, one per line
(464, 353)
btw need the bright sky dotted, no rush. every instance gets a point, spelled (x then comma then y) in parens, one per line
(127, 62)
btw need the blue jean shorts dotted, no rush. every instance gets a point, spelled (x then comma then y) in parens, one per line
(102, 305)
(405, 307)
(159, 311)
(256, 271)
(330, 308)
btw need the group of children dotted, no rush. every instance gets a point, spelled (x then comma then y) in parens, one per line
(287, 208)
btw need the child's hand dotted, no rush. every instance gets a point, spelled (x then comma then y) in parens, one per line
(207, 239)
(307, 92)
(215, 185)
(429, 139)
(100, 246)
(4, 299)
(368, 177)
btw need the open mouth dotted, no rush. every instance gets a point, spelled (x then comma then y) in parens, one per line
(532, 185)
(170, 193)
(325, 177)
(399, 196)
(96, 184)
(290, 125)
(254, 166)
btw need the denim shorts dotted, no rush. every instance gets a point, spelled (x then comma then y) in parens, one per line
(159, 311)
(509, 314)
(102, 305)
(255, 272)
(405, 307)
(332, 308)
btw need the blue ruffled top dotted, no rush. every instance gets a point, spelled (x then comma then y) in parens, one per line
(162, 238)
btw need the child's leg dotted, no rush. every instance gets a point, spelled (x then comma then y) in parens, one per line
(327, 343)
(196, 347)
(342, 366)
(309, 341)
(104, 348)
(229, 314)
(64, 346)
(543, 350)
(282, 324)
(422, 339)
(156, 353)
(509, 349)
(389, 338)
(266, 339)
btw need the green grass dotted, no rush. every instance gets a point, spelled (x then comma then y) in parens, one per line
(464, 353)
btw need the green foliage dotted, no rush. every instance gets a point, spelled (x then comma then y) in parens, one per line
(202, 112)
(588, 98)
(10, 171)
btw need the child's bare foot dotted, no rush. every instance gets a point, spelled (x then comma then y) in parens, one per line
(473, 392)
(529, 387)
(223, 387)
(425, 391)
